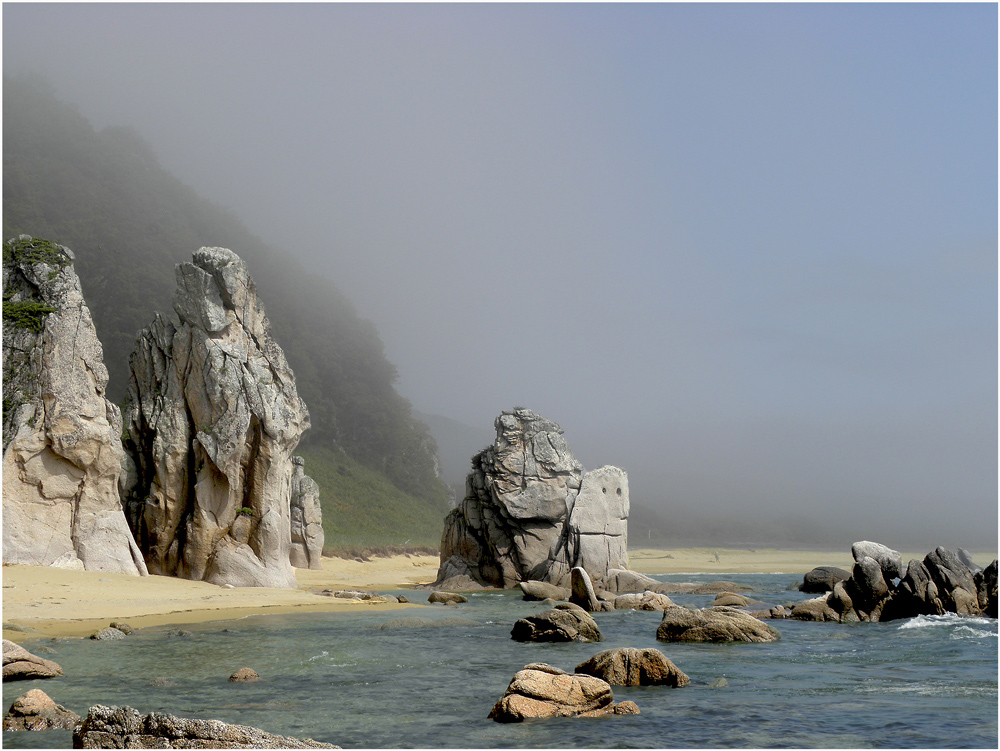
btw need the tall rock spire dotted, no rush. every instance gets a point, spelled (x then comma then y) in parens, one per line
(61, 437)
(212, 417)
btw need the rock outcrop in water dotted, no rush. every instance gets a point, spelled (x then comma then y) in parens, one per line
(880, 588)
(540, 690)
(532, 513)
(211, 419)
(306, 519)
(36, 711)
(124, 727)
(61, 436)
(21, 665)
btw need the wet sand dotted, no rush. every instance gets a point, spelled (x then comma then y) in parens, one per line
(45, 601)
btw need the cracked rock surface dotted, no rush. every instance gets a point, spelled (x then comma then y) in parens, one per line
(212, 417)
(61, 436)
(531, 512)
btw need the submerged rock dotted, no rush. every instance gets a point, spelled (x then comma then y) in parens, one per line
(532, 513)
(124, 727)
(62, 453)
(211, 418)
(36, 711)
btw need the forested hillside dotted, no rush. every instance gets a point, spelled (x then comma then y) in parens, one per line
(103, 194)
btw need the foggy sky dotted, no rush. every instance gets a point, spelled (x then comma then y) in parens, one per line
(748, 253)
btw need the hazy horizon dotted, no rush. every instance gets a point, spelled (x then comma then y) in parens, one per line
(746, 252)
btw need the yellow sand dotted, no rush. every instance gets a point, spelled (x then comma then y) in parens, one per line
(45, 601)
(48, 601)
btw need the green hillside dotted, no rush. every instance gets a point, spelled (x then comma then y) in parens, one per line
(104, 195)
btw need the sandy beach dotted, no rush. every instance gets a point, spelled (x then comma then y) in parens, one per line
(45, 601)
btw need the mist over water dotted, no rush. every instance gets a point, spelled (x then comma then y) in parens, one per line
(748, 253)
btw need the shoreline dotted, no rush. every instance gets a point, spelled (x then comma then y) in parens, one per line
(42, 601)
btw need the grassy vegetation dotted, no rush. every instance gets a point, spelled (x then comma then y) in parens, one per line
(26, 314)
(363, 508)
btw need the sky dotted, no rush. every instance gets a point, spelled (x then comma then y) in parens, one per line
(746, 252)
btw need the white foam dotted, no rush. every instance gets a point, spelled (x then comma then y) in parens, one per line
(948, 619)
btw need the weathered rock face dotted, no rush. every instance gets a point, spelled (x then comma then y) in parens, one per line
(565, 622)
(532, 513)
(306, 519)
(36, 711)
(19, 664)
(211, 419)
(549, 692)
(61, 436)
(713, 625)
(124, 727)
(634, 667)
(941, 583)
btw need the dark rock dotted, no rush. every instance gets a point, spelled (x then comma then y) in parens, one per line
(634, 667)
(123, 727)
(123, 627)
(565, 622)
(822, 579)
(19, 664)
(986, 589)
(36, 711)
(244, 675)
(713, 625)
(816, 609)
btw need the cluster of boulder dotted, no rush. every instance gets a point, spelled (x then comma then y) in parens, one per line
(542, 690)
(195, 477)
(531, 512)
(880, 588)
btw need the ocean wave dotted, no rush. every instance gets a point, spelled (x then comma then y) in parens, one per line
(967, 632)
(949, 620)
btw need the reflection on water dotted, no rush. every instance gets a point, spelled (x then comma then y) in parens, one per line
(331, 677)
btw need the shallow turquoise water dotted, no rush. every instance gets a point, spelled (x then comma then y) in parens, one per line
(926, 682)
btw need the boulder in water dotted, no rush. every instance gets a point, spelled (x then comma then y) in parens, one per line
(634, 667)
(564, 622)
(36, 711)
(542, 693)
(19, 664)
(713, 625)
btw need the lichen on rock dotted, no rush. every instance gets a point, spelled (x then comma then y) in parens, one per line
(61, 436)
(212, 417)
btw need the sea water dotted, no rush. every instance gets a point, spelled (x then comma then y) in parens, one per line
(925, 682)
